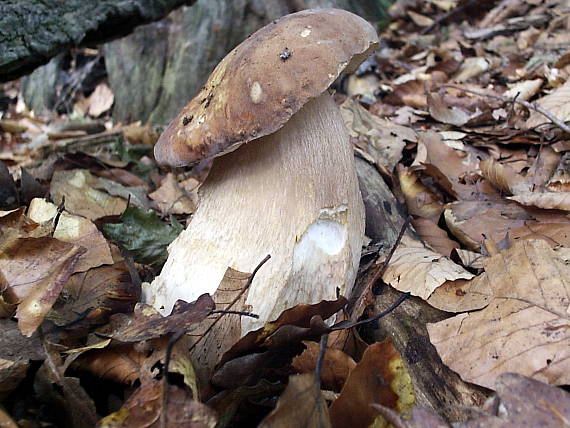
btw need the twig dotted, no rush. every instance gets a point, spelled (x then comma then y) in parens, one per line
(531, 106)
(320, 360)
(165, 385)
(242, 313)
(455, 11)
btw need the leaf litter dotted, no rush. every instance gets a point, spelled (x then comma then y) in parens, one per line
(462, 111)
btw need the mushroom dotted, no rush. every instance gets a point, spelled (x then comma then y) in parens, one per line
(292, 190)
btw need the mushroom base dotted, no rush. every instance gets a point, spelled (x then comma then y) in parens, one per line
(293, 195)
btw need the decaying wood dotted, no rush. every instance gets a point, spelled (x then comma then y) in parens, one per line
(35, 30)
(436, 386)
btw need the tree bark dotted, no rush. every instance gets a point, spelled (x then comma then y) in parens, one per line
(158, 69)
(436, 386)
(33, 31)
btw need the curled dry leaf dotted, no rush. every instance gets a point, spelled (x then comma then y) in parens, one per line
(503, 177)
(300, 405)
(380, 138)
(100, 100)
(444, 113)
(547, 200)
(336, 365)
(556, 103)
(434, 236)
(76, 187)
(472, 221)
(144, 408)
(91, 297)
(172, 199)
(76, 230)
(217, 333)
(35, 270)
(379, 378)
(120, 363)
(524, 327)
(420, 200)
(471, 67)
(419, 270)
(147, 324)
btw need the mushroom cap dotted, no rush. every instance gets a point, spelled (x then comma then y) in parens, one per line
(266, 79)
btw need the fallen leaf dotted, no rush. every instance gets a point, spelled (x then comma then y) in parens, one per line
(335, 369)
(420, 200)
(144, 408)
(144, 234)
(35, 271)
(91, 297)
(444, 113)
(555, 103)
(219, 332)
(546, 200)
(147, 324)
(471, 67)
(81, 198)
(76, 230)
(300, 405)
(379, 378)
(416, 269)
(524, 329)
(434, 236)
(100, 100)
(503, 177)
(171, 198)
(380, 138)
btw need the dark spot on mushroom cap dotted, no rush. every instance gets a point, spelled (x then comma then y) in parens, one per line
(187, 119)
(285, 54)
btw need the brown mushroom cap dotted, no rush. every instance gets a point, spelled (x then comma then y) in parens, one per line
(259, 85)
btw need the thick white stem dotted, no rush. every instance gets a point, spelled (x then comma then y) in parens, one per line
(294, 195)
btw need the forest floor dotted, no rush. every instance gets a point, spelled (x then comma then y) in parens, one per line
(463, 111)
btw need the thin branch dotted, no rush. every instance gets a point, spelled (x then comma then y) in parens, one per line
(242, 313)
(531, 106)
(320, 360)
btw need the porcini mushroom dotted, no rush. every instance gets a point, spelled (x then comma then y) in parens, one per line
(292, 190)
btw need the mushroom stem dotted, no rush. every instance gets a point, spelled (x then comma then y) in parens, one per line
(292, 194)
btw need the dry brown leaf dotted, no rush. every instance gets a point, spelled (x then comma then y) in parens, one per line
(380, 138)
(524, 329)
(546, 200)
(420, 200)
(471, 67)
(503, 177)
(470, 259)
(410, 93)
(92, 297)
(217, 333)
(523, 90)
(34, 271)
(379, 378)
(419, 270)
(76, 230)
(144, 408)
(171, 198)
(557, 103)
(76, 187)
(300, 405)
(420, 20)
(462, 295)
(444, 113)
(120, 363)
(100, 100)
(473, 221)
(554, 233)
(434, 236)
(335, 369)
